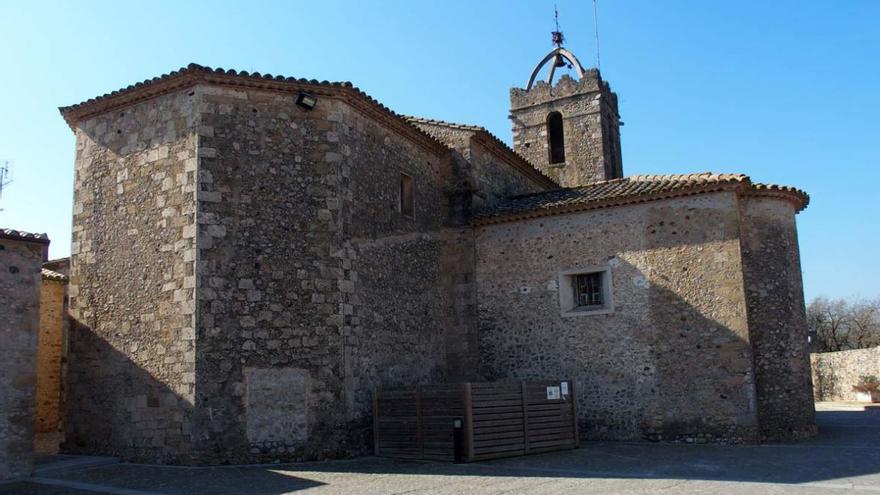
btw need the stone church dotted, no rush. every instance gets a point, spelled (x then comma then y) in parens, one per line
(252, 255)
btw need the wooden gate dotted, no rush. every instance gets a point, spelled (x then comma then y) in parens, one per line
(498, 419)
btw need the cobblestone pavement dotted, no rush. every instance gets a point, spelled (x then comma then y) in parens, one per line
(844, 458)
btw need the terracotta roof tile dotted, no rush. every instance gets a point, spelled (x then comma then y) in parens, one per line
(443, 123)
(196, 68)
(195, 73)
(20, 235)
(52, 275)
(635, 189)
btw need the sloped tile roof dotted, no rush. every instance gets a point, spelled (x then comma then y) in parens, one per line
(501, 148)
(635, 189)
(443, 123)
(193, 74)
(60, 265)
(52, 275)
(20, 235)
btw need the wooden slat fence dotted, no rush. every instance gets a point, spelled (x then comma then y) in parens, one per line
(500, 419)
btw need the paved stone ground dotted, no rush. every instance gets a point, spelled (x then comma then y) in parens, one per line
(844, 458)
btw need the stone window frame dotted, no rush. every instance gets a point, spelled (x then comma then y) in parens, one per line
(567, 300)
(404, 180)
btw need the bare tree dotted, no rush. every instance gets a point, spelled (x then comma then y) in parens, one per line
(864, 324)
(840, 325)
(825, 319)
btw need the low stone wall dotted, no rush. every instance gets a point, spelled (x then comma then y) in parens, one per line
(835, 373)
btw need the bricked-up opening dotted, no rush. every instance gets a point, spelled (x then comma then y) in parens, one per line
(407, 207)
(556, 138)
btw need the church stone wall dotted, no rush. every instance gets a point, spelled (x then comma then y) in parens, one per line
(19, 324)
(490, 177)
(672, 361)
(312, 286)
(49, 354)
(270, 277)
(495, 180)
(131, 373)
(777, 319)
(402, 305)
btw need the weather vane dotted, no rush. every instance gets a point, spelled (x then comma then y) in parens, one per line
(558, 40)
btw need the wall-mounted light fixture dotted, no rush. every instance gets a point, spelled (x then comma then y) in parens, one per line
(306, 101)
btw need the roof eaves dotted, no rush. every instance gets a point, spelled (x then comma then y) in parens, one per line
(53, 275)
(20, 235)
(194, 74)
(798, 197)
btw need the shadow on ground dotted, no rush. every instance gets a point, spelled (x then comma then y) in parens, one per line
(845, 455)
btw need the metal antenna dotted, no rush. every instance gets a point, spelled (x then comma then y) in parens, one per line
(4, 177)
(556, 15)
(557, 36)
(596, 27)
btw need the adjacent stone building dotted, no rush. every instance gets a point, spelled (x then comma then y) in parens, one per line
(253, 255)
(50, 348)
(21, 255)
(687, 340)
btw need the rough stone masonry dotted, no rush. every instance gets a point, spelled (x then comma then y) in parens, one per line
(253, 255)
(21, 256)
(835, 373)
(50, 351)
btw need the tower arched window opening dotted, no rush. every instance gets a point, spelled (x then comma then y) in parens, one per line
(556, 138)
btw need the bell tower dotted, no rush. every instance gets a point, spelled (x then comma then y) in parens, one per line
(570, 130)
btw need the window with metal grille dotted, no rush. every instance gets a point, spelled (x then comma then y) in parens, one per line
(588, 289)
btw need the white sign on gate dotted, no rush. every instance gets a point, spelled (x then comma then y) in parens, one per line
(552, 393)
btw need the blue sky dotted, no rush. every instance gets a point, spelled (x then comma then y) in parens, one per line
(785, 91)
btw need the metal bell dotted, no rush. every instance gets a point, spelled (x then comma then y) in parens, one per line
(559, 62)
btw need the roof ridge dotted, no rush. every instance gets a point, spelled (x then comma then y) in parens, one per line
(695, 176)
(445, 123)
(634, 189)
(690, 177)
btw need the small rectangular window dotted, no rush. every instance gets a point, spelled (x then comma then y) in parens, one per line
(588, 289)
(407, 206)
